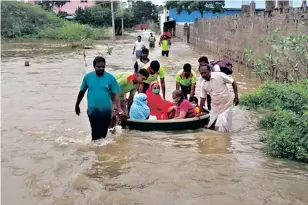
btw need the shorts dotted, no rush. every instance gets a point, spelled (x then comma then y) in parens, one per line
(152, 45)
(99, 125)
(165, 53)
(185, 90)
(138, 54)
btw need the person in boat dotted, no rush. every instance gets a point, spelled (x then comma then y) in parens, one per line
(143, 61)
(102, 89)
(158, 106)
(203, 60)
(186, 81)
(139, 109)
(152, 41)
(129, 83)
(155, 71)
(165, 43)
(194, 101)
(183, 108)
(139, 45)
(214, 84)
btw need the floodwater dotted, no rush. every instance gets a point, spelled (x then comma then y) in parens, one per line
(48, 158)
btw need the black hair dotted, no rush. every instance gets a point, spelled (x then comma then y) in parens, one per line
(203, 59)
(139, 37)
(155, 66)
(187, 67)
(144, 72)
(208, 67)
(145, 50)
(98, 59)
(191, 99)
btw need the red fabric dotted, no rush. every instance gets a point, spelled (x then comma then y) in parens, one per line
(187, 107)
(131, 77)
(158, 106)
(167, 34)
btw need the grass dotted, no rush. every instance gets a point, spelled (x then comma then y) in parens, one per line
(286, 123)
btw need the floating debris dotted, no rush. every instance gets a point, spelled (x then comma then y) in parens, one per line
(27, 63)
(109, 50)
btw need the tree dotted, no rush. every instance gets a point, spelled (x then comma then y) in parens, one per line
(49, 5)
(201, 6)
(144, 11)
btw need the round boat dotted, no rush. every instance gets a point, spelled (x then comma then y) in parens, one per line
(169, 125)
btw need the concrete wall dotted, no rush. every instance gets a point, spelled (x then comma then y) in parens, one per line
(228, 36)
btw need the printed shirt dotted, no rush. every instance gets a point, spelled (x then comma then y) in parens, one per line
(99, 93)
(125, 81)
(187, 107)
(221, 98)
(165, 45)
(151, 78)
(139, 45)
(180, 78)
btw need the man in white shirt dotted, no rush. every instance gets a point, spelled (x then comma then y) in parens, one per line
(222, 100)
(143, 61)
(139, 45)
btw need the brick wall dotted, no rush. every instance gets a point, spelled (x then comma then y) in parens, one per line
(228, 36)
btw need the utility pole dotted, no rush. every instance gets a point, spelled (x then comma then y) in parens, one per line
(112, 18)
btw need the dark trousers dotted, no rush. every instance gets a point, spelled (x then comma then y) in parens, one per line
(208, 99)
(165, 53)
(99, 125)
(185, 90)
(151, 45)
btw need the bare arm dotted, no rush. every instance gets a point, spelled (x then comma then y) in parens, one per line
(177, 86)
(134, 50)
(116, 99)
(182, 115)
(236, 100)
(79, 99)
(192, 90)
(162, 82)
(202, 103)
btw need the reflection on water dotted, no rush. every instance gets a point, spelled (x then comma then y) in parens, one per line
(47, 156)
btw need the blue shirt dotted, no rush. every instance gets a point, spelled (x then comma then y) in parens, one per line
(100, 89)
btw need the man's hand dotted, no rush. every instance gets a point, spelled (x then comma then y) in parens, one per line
(133, 53)
(236, 100)
(77, 110)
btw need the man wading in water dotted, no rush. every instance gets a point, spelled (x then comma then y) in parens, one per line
(143, 61)
(139, 45)
(214, 84)
(102, 90)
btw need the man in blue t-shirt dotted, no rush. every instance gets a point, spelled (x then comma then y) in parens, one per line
(102, 90)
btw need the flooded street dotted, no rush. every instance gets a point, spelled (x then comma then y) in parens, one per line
(48, 158)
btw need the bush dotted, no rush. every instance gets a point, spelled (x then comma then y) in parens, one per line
(21, 20)
(287, 122)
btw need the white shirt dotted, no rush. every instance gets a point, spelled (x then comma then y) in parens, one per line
(139, 45)
(221, 98)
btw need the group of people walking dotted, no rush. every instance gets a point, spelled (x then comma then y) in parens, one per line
(147, 96)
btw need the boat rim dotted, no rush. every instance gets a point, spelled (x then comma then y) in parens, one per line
(171, 120)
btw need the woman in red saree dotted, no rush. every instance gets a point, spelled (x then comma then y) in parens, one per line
(158, 106)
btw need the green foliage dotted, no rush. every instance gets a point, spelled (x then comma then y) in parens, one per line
(285, 59)
(20, 20)
(201, 6)
(49, 5)
(287, 122)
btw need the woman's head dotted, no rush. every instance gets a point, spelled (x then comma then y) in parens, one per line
(140, 98)
(177, 96)
(155, 88)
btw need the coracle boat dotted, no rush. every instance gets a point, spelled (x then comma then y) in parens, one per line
(169, 125)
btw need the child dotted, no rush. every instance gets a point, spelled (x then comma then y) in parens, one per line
(194, 102)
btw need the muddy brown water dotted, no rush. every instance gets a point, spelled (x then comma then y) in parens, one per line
(48, 158)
